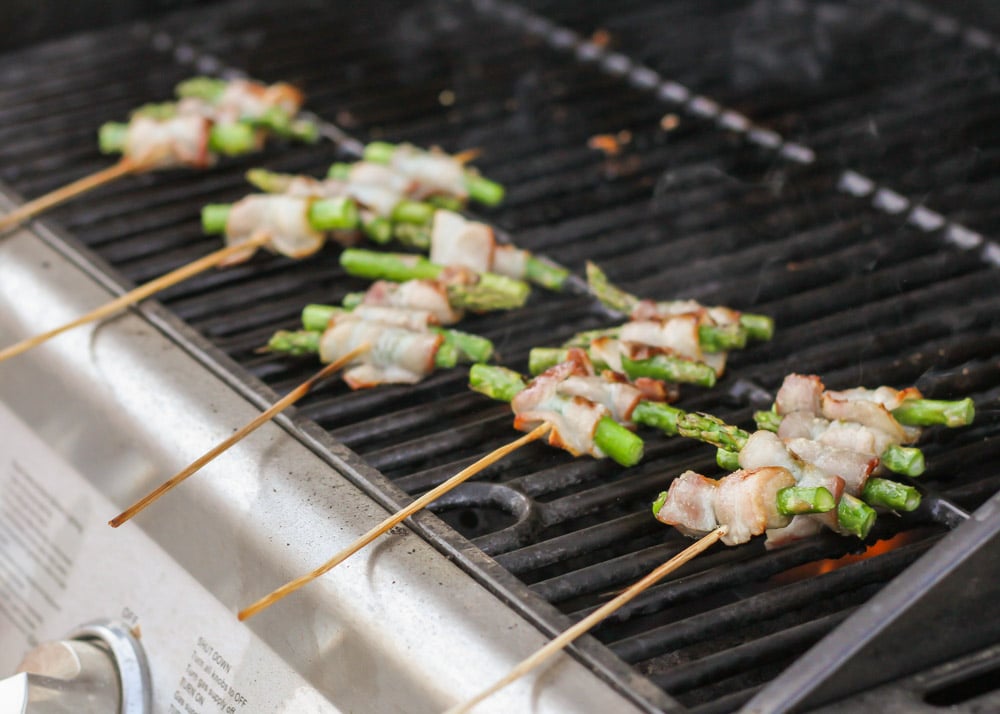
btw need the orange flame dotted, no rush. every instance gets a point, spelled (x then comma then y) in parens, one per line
(810, 570)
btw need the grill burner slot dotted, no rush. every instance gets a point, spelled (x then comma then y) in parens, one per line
(859, 295)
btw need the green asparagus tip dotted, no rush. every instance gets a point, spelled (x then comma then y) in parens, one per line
(798, 500)
(111, 137)
(415, 212)
(317, 317)
(669, 368)
(339, 171)
(333, 214)
(718, 338)
(728, 460)
(624, 447)
(758, 327)
(156, 110)
(378, 229)
(495, 382)
(767, 420)
(541, 358)
(214, 217)
(208, 88)
(890, 494)
(448, 203)
(352, 300)
(926, 412)
(855, 516)
(483, 190)
(657, 415)
(658, 503)
(544, 273)
(412, 236)
(301, 342)
(232, 139)
(447, 355)
(905, 460)
(471, 348)
(610, 295)
(379, 152)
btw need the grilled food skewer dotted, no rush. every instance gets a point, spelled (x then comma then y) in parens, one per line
(504, 384)
(211, 117)
(394, 520)
(136, 295)
(261, 419)
(594, 618)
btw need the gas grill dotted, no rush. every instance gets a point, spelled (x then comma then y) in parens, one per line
(827, 164)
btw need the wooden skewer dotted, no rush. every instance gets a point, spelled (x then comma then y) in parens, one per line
(395, 519)
(36, 206)
(140, 293)
(584, 625)
(279, 406)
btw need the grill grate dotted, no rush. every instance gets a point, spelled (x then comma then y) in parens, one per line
(686, 208)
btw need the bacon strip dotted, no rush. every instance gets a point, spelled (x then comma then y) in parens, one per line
(284, 219)
(745, 502)
(397, 355)
(168, 143)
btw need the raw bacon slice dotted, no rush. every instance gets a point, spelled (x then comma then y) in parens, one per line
(427, 295)
(456, 241)
(799, 393)
(397, 355)
(434, 171)
(284, 219)
(690, 504)
(574, 419)
(168, 143)
(415, 320)
(842, 434)
(745, 502)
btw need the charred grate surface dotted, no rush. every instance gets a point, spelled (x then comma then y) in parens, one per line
(897, 94)
(683, 208)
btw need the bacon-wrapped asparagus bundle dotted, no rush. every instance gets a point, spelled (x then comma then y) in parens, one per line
(833, 440)
(212, 117)
(392, 206)
(403, 351)
(680, 341)
(582, 405)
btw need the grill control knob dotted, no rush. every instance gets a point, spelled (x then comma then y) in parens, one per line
(99, 669)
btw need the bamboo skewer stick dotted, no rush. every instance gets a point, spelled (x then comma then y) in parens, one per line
(391, 521)
(587, 623)
(70, 190)
(279, 406)
(140, 293)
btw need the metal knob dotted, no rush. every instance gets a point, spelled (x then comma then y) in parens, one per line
(99, 669)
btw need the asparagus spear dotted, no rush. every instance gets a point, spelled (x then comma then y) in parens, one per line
(489, 292)
(890, 494)
(927, 412)
(306, 342)
(472, 347)
(855, 516)
(758, 327)
(326, 214)
(612, 438)
(667, 368)
(479, 187)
